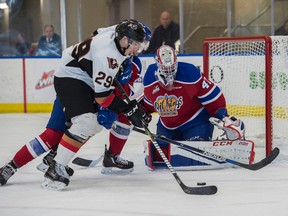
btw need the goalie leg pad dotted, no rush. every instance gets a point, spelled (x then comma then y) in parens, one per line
(153, 159)
(239, 150)
(185, 159)
(176, 156)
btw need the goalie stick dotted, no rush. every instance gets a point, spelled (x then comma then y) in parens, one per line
(204, 190)
(256, 166)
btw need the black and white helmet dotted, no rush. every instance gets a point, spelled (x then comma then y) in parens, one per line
(131, 29)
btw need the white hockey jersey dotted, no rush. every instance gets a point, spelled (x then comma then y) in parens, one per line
(95, 61)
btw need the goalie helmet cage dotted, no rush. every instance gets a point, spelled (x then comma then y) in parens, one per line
(252, 73)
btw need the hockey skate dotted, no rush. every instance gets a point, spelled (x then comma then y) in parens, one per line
(56, 177)
(47, 160)
(114, 164)
(6, 172)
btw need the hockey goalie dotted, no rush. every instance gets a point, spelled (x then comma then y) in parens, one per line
(189, 107)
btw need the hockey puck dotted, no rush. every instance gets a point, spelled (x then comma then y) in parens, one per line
(201, 183)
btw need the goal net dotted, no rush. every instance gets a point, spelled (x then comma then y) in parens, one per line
(253, 75)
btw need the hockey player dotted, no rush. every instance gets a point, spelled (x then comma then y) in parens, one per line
(184, 100)
(121, 43)
(86, 75)
(46, 140)
(50, 138)
(122, 127)
(129, 72)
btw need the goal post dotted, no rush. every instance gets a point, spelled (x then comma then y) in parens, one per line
(252, 72)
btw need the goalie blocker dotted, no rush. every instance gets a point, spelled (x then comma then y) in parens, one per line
(185, 159)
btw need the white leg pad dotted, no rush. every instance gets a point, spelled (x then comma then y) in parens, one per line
(185, 159)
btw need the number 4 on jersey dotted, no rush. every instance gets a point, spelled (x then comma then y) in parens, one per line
(206, 83)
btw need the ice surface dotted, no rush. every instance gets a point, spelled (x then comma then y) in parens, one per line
(143, 192)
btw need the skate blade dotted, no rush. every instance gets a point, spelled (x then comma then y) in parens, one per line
(115, 171)
(42, 167)
(53, 185)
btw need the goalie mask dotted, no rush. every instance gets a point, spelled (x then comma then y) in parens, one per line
(167, 64)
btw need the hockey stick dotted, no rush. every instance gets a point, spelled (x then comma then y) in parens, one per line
(87, 162)
(256, 166)
(204, 190)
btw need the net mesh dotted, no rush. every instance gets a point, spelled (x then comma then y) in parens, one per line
(238, 67)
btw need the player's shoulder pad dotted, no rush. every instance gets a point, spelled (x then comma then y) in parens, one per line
(137, 63)
(149, 76)
(188, 73)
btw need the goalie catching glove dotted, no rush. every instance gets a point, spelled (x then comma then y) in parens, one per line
(136, 114)
(234, 128)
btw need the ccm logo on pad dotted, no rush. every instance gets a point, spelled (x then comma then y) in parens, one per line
(222, 143)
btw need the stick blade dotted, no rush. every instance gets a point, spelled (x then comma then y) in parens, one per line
(87, 162)
(82, 162)
(205, 190)
(267, 160)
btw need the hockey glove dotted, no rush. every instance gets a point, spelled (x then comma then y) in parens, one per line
(125, 72)
(234, 128)
(136, 114)
(106, 117)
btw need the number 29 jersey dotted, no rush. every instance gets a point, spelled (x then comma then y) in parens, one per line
(95, 61)
(192, 100)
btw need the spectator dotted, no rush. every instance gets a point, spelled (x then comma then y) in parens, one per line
(13, 43)
(167, 33)
(283, 30)
(22, 45)
(50, 43)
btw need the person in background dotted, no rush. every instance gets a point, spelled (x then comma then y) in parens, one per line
(13, 43)
(167, 33)
(22, 45)
(49, 44)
